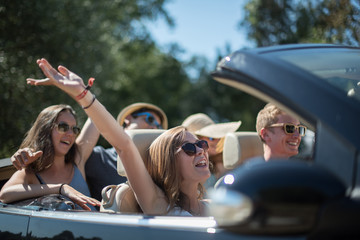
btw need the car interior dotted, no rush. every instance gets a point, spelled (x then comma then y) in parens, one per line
(238, 148)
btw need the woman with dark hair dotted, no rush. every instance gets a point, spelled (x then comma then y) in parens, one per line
(170, 181)
(52, 158)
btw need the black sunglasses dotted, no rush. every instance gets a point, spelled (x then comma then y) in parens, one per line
(190, 148)
(63, 127)
(291, 128)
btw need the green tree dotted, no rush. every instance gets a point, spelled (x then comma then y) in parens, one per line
(223, 103)
(271, 22)
(103, 39)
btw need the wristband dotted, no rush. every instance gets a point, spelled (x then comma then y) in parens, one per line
(61, 188)
(92, 101)
(87, 88)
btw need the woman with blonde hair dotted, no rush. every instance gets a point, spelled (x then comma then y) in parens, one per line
(179, 161)
(202, 126)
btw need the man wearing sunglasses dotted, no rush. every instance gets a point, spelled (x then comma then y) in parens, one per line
(280, 132)
(101, 167)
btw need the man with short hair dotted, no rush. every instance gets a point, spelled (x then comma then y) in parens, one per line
(280, 132)
(101, 167)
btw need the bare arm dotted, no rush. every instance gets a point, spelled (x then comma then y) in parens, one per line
(150, 197)
(86, 141)
(21, 186)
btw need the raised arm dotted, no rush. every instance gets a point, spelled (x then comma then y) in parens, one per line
(86, 142)
(149, 196)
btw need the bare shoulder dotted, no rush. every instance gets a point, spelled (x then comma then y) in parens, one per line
(23, 176)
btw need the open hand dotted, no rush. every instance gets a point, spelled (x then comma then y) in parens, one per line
(23, 157)
(61, 78)
(79, 198)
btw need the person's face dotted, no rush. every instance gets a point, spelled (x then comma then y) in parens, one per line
(193, 168)
(63, 140)
(280, 143)
(142, 122)
(212, 144)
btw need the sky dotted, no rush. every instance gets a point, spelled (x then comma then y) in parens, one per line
(202, 27)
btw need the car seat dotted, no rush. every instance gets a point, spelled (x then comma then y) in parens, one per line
(120, 198)
(239, 147)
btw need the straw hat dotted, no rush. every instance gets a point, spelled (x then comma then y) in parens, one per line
(201, 124)
(137, 106)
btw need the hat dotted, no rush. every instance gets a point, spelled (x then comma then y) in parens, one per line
(137, 106)
(201, 124)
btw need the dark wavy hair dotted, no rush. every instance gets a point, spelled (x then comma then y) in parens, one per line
(39, 137)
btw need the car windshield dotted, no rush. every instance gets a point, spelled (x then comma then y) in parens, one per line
(340, 68)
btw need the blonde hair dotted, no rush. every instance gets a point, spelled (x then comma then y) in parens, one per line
(220, 145)
(267, 116)
(163, 168)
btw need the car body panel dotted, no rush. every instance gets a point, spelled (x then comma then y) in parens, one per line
(43, 224)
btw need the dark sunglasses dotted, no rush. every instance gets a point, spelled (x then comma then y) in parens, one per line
(190, 148)
(150, 119)
(63, 127)
(291, 128)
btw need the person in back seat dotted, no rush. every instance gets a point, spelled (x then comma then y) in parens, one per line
(101, 167)
(280, 132)
(51, 160)
(170, 183)
(205, 128)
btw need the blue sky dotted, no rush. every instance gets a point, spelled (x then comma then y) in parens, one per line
(202, 27)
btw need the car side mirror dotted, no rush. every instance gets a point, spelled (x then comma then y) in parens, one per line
(279, 196)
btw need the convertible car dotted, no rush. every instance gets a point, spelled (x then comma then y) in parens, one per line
(315, 195)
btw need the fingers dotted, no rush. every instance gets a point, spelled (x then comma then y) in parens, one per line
(93, 201)
(83, 200)
(87, 200)
(16, 162)
(79, 198)
(19, 158)
(23, 157)
(47, 69)
(64, 71)
(35, 156)
(35, 82)
(44, 64)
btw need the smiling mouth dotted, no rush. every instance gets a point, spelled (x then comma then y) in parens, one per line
(294, 144)
(65, 142)
(201, 164)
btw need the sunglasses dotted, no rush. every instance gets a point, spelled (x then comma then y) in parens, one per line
(291, 128)
(150, 119)
(190, 148)
(63, 127)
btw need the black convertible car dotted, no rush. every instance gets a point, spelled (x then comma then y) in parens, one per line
(313, 196)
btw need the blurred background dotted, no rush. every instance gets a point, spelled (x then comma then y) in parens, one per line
(156, 51)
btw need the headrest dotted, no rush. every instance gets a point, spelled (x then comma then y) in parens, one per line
(239, 147)
(142, 139)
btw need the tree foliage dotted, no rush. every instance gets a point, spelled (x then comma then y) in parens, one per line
(108, 40)
(103, 39)
(271, 22)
